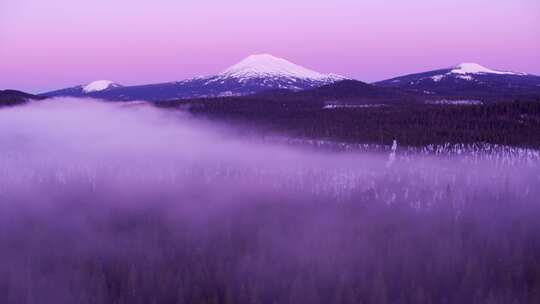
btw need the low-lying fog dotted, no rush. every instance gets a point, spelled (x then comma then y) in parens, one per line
(127, 203)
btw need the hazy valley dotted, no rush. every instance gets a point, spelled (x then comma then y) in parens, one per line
(272, 183)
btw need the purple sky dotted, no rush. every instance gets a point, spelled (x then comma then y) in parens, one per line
(50, 44)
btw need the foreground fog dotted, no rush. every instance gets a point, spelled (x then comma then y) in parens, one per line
(125, 203)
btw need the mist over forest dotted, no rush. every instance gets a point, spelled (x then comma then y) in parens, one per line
(130, 203)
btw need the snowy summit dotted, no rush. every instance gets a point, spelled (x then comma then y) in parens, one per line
(265, 65)
(99, 85)
(475, 68)
(254, 74)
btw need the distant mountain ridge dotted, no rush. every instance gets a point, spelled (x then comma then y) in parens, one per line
(467, 79)
(254, 74)
(270, 75)
(84, 90)
(342, 92)
(14, 97)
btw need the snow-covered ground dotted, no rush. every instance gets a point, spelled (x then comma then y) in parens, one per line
(473, 152)
(454, 102)
(352, 106)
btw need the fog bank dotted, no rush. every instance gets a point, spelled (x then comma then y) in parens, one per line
(128, 203)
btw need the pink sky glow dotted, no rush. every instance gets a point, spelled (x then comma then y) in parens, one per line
(51, 44)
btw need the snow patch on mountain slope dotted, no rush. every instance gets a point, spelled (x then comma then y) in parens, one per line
(454, 102)
(265, 65)
(475, 68)
(437, 78)
(465, 77)
(466, 70)
(99, 85)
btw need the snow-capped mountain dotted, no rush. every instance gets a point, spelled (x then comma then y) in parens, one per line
(254, 74)
(467, 79)
(99, 85)
(268, 66)
(475, 68)
(85, 90)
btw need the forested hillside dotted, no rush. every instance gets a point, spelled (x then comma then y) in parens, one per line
(508, 123)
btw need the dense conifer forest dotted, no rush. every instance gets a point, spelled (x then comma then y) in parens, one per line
(154, 206)
(514, 123)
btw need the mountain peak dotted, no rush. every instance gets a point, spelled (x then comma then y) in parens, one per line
(265, 65)
(99, 85)
(475, 68)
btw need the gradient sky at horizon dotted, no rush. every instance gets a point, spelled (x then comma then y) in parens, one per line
(51, 44)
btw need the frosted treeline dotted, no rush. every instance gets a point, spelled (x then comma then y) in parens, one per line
(115, 203)
(92, 145)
